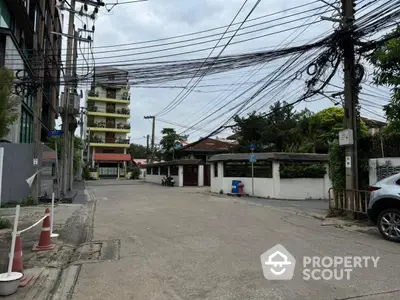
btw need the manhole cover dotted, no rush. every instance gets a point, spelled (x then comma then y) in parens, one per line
(96, 251)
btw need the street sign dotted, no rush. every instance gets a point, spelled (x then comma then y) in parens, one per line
(252, 147)
(253, 158)
(55, 133)
(35, 161)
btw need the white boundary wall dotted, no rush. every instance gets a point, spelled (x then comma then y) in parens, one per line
(156, 178)
(277, 188)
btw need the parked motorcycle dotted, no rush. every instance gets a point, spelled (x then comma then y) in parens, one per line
(170, 181)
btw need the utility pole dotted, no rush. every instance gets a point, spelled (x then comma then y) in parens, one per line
(153, 133)
(147, 148)
(350, 95)
(68, 79)
(69, 117)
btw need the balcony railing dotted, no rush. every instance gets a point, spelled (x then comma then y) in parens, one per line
(118, 96)
(109, 125)
(122, 111)
(99, 140)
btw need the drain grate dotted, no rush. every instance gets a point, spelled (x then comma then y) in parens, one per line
(96, 251)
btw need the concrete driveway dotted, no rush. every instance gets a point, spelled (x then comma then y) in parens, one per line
(176, 243)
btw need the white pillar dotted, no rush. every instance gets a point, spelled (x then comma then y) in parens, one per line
(93, 156)
(169, 171)
(180, 176)
(372, 171)
(276, 179)
(200, 174)
(220, 166)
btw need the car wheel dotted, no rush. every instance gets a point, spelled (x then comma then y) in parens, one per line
(389, 224)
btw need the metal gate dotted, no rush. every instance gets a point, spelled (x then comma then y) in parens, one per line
(190, 175)
(108, 172)
(207, 175)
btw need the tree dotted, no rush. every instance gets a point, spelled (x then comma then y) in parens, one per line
(386, 60)
(169, 142)
(274, 132)
(8, 102)
(286, 130)
(137, 151)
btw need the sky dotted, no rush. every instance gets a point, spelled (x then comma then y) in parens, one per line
(220, 95)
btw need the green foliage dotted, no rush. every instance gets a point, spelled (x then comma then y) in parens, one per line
(135, 173)
(86, 173)
(137, 151)
(286, 130)
(169, 142)
(29, 201)
(386, 60)
(337, 171)
(8, 102)
(5, 223)
(274, 132)
(299, 170)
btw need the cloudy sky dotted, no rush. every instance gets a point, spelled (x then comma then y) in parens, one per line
(147, 25)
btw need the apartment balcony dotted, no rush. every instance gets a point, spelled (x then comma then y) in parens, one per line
(109, 127)
(96, 141)
(122, 97)
(109, 112)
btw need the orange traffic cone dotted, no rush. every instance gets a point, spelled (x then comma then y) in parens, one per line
(18, 265)
(45, 238)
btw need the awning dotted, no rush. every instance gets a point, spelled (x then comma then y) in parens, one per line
(112, 157)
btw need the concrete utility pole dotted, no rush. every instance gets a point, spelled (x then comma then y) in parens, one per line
(153, 133)
(67, 87)
(147, 148)
(350, 95)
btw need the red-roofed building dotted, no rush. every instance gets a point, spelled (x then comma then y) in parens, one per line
(204, 149)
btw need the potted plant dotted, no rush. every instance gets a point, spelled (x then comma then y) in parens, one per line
(125, 96)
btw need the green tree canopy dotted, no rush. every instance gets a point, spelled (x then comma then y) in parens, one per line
(8, 102)
(169, 142)
(285, 130)
(386, 60)
(137, 151)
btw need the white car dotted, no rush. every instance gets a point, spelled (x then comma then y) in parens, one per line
(384, 207)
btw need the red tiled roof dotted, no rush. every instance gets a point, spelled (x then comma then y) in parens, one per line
(209, 144)
(112, 157)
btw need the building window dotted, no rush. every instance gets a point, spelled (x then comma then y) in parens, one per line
(36, 20)
(5, 16)
(2, 51)
(148, 171)
(164, 170)
(174, 170)
(26, 131)
(262, 169)
(216, 169)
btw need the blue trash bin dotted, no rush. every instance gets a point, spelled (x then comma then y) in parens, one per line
(235, 188)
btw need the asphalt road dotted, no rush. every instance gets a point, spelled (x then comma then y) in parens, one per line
(177, 243)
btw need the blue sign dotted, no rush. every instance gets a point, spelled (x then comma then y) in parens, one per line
(252, 147)
(55, 133)
(253, 158)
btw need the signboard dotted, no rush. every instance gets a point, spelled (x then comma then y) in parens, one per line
(346, 137)
(35, 161)
(55, 133)
(348, 162)
(252, 147)
(253, 158)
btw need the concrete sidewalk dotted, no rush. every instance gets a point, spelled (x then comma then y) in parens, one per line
(69, 222)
